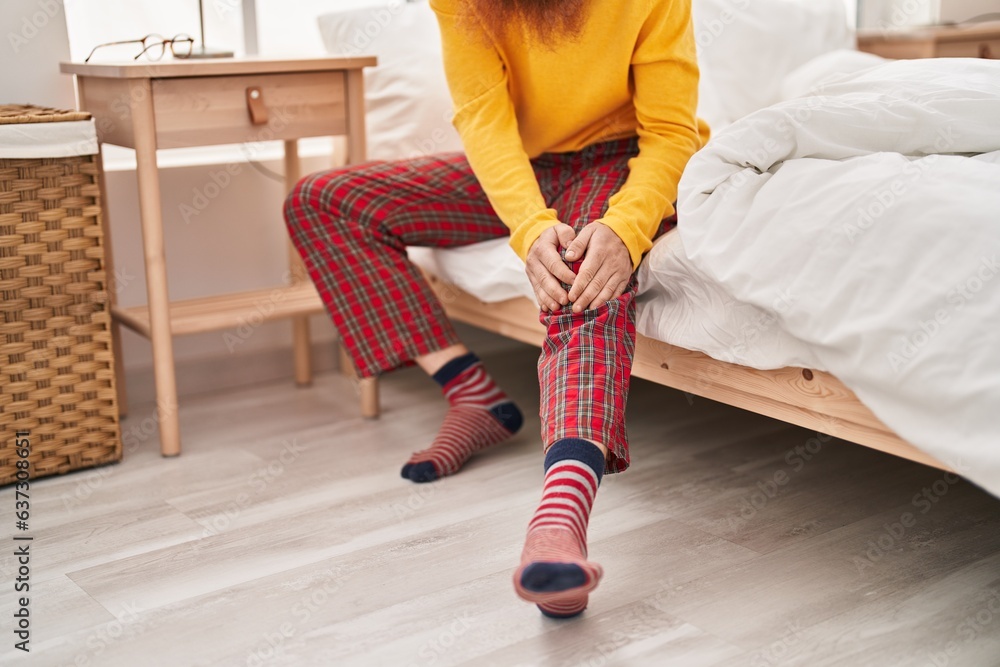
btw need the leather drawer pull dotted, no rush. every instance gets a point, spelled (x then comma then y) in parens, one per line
(256, 106)
(984, 51)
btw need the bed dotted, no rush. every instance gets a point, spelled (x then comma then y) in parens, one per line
(809, 279)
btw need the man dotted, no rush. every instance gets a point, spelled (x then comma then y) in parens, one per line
(577, 117)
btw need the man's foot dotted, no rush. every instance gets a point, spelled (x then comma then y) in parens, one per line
(555, 573)
(481, 415)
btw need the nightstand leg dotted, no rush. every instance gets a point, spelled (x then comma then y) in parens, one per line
(297, 273)
(357, 152)
(301, 340)
(144, 130)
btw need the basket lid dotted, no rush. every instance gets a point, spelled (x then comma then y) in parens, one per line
(13, 114)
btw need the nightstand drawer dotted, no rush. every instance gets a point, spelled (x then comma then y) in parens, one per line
(979, 48)
(980, 40)
(210, 110)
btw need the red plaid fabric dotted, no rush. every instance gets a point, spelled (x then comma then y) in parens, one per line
(352, 226)
(584, 372)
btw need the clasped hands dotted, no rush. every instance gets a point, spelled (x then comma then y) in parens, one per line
(603, 275)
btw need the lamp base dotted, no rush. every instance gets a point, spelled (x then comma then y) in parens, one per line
(204, 52)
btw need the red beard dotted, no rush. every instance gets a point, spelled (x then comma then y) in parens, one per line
(546, 19)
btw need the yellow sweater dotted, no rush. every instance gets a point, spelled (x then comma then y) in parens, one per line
(631, 71)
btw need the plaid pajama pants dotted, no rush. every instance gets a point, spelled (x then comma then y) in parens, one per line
(352, 226)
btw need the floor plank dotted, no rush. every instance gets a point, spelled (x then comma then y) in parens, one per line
(830, 573)
(284, 536)
(945, 622)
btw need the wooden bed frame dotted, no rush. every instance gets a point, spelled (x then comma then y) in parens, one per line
(807, 398)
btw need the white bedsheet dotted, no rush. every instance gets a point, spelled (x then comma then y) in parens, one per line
(856, 232)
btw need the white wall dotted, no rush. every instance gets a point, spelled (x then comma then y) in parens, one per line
(962, 10)
(90, 24)
(282, 32)
(34, 42)
(894, 14)
(286, 28)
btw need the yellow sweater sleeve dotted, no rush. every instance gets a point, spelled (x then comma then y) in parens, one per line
(487, 124)
(665, 75)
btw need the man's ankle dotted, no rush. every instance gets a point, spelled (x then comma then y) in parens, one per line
(432, 362)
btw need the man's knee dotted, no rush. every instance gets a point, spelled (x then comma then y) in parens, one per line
(603, 313)
(317, 193)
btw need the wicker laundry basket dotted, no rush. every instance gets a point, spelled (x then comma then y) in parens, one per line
(57, 380)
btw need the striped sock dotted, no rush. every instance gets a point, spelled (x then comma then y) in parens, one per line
(555, 573)
(481, 415)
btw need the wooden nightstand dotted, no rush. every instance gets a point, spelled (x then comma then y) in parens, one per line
(973, 41)
(178, 103)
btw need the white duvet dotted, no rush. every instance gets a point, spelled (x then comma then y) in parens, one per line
(855, 231)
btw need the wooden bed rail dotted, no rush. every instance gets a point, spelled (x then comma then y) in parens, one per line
(807, 398)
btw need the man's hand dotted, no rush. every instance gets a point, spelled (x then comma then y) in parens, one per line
(606, 268)
(546, 269)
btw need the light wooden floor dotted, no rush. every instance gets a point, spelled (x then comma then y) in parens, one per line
(285, 536)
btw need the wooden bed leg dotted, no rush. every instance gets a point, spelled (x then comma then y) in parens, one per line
(367, 387)
(369, 397)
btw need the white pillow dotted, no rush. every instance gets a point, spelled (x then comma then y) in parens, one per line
(746, 47)
(815, 75)
(711, 104)
(406, 96)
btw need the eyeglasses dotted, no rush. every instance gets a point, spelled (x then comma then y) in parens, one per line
(154, 46)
